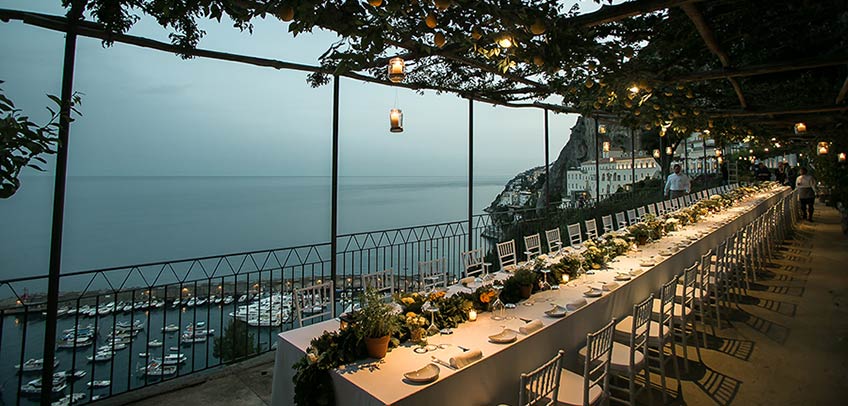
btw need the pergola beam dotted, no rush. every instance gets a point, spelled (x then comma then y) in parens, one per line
(805, 110)
(842, 92)
(710, 40)
(755, 70)
(612, 13)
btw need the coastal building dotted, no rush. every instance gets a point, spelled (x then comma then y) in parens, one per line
(616, 170)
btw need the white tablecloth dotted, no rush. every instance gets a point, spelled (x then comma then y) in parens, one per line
(494, 379)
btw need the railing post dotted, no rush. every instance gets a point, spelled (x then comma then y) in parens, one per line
(334, 206)
(470, 172)
(547, 164)
(49, 354)
(597, 164)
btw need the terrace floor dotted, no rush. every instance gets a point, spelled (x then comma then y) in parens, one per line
(787, 343)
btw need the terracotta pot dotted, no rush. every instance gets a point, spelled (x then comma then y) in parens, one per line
(377, 347)
(525, 291)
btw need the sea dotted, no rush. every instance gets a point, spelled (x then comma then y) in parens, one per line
(119, 221)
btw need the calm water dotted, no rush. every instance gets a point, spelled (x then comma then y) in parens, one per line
(116, 221)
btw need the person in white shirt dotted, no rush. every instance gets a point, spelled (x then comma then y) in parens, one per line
(806, 187)
(677, 185)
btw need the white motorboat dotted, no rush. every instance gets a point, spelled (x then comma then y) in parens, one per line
(35, 365)
(72, 374)
(102, 356)
(155, 368)
(71, 399)
(154, 343)
(100, 384)
(228, 300)
(174, 359)
(111, 347)
(171, 328)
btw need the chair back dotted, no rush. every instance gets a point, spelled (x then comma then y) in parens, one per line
(541, 386)
(679, 203)
(640, 329)
(652, 208)
(432, 274)
(554, 240)
(591, 229)
(620, 220)
(632, 218)
(473, 263)
(574, 235)
(690, 282)
(598, 356)
(506, 254)
(606, 221)
(532, 246)
(704, 273)
(667, 293)
(640, 211)
(381, 281)
(314, 302)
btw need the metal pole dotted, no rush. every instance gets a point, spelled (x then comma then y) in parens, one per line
(597, 164)
(547, 164)
(470, 172)
(334, 215)
(59, 204)
(632, 161)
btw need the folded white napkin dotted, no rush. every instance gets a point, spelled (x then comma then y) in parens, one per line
(468, 357)
(610, 286)
(467, 280)
(531, 327)
(576, 304)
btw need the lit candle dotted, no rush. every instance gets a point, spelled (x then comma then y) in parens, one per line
(841, 157)
(396, 70)
(565, 278)
(472, 315)
(396, 120)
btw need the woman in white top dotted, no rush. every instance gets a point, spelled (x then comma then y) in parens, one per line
(806, 186)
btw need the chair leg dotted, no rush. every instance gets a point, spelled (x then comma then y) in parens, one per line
(676, 369)
(648, 383)
(685, 339)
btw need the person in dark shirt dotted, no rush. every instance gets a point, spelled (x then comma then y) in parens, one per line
(763, 173)
(780, 173)
(725, 174)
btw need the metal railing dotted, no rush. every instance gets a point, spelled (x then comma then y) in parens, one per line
(139, 325)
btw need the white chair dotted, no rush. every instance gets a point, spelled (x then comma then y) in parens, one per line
(381, 281)
(652, 209)
(314, 302)
(685, 316)
(628, 361)
(554, 241)
(506, 256)
(541, 386)
(632, 218)
(473, 263)
(574, 236)
(640, 211)
(432, 274)
(679, 203)
(620, 220)
(593, 387)
(591, 229)
(607, 223)
(532, 246)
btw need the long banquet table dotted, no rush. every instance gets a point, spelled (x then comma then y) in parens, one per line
(494, 379)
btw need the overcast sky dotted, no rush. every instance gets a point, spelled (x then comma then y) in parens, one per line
(148, 112)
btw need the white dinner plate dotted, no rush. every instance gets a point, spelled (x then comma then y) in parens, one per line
(428, 373)
(504, 337)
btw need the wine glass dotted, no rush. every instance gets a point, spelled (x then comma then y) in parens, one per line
(432, 309)
(498, 307)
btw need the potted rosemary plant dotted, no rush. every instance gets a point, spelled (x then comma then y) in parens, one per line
(375, 323)
(525, 278)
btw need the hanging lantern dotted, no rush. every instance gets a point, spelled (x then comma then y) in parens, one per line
(823, 148)
(720, 160)
(668, 151)
(841, 157)
(396, 121)
(634, 89)
(397, 70)
(606, 146)
(718, 152)
(656, 153)
(800, 128)
(602, 129)
(505, 42)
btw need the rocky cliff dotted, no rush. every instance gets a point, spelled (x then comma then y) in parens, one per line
(579, 148)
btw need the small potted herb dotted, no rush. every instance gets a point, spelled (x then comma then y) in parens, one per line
(525, 278)
(375, 323)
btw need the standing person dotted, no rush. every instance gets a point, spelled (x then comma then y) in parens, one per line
(780, 173)
(677, 185)
(806, 185)
(763, 173)
(725, 174)
(791, 176)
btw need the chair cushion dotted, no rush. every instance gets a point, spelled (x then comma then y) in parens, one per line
(620, 357)
(679, 292)
(571, 390)
(623, 328)
(678, 311)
